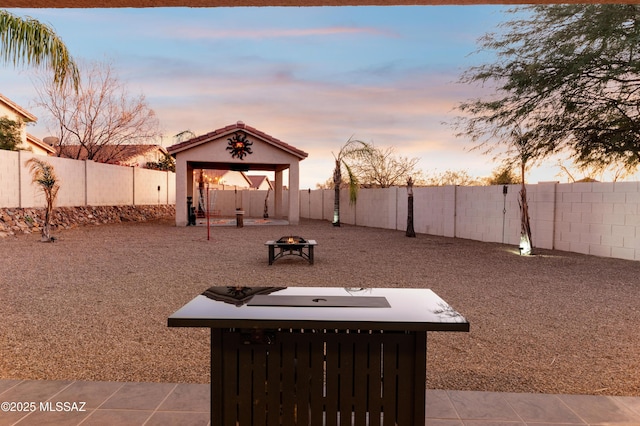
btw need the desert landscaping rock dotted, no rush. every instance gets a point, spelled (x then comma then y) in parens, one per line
(94, 305)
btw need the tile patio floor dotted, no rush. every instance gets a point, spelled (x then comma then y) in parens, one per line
(166, 404)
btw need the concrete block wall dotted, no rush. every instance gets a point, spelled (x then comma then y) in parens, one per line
(82, 183)
(71, 176)
(312, 204)
(401, 209)
(73, 181)
(601, 219)
(30, 194)
(316, 204)
(9, 178)
(347, 209)
(328, 196)
(150, 187)
(542, 205)
(449, 211)
(432, 210)
(377, 209)
(253, 202)
(109, 185)
(480, 213)
(224, 202)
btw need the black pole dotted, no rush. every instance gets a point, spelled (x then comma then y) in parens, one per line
(410, 231)
(191, 212)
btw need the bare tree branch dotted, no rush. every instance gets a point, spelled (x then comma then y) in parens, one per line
(99, 120)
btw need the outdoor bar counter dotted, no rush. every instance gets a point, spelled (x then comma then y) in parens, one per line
(318, 355)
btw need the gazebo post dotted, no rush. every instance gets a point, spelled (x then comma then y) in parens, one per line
(278, 194)
(294, 193)
(184, 189)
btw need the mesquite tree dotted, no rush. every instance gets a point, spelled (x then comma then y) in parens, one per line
(381, 168)
(570, 75)
(521, 145)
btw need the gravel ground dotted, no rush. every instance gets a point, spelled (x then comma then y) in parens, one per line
(94, 304)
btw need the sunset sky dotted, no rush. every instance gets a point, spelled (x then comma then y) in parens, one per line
(312, 77)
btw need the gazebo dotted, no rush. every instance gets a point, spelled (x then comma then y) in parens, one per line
(241, 148)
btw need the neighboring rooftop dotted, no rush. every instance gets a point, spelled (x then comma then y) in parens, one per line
(110, 154)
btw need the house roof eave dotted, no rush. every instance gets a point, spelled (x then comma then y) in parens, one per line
(41, 144)
(26, 115)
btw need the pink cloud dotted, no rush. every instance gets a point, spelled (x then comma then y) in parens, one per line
(199, 33)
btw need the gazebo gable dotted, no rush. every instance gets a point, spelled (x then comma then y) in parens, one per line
(237, 143)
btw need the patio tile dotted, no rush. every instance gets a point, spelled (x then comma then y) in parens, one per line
(117, 417)
(482, 406)
(629, 402)
(165, 418)
(559, 424)
(599, 410)
(7, 384)
(139, 396)
(166, 404)
(11, 417)
(443, 422)
(93, 394)
(439, 406)
(188, 397)
(53, 418)
(35, 390)
(542, 408)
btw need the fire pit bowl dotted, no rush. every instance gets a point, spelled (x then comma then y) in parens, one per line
(291, 242)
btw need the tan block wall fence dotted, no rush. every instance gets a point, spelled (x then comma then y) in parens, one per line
(83, 183)
(601, 219)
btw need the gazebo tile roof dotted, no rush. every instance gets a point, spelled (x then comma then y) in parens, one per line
(230, 128)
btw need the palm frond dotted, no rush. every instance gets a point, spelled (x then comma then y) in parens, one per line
(43, 174)
(30, 42)
(353, 184)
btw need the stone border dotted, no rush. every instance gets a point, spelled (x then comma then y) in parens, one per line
(17, 221)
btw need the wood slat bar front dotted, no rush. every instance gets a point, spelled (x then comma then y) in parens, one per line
(293, 364)
(324, 377)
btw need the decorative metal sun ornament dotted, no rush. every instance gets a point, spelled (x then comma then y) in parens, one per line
(239, 145)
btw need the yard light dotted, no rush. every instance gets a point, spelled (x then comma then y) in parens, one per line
(525, 246)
